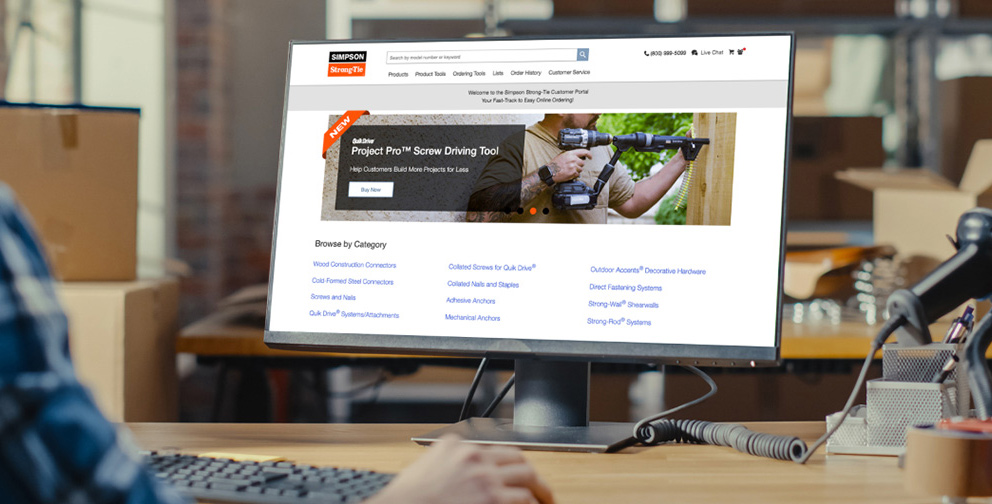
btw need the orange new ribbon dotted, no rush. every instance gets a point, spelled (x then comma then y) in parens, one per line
(339, 127)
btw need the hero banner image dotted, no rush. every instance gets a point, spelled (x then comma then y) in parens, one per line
(560, 168)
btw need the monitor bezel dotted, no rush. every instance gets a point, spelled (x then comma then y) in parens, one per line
(508, 348)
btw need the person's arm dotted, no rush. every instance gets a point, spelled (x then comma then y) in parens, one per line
(648, 191)
(565, 166)
(55, 445)
(452, 472)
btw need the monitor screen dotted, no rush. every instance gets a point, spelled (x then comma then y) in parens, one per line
(595, 198)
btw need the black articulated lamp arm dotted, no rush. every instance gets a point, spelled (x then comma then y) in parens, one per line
(966, 275)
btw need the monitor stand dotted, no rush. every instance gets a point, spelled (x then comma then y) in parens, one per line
(550, 412)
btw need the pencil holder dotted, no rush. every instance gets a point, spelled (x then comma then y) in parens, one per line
(852, 433)
(894, 406)
(921, 364)
(905, 396)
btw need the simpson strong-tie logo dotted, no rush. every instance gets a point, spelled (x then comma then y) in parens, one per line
(346, 64)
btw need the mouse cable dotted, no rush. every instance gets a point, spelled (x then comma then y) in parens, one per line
(509, 384)
(883, 334)
(640, 425)
(499, 397)
(356, 391)
(471, 390)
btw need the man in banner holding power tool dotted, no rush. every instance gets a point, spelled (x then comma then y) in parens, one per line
(518, 185)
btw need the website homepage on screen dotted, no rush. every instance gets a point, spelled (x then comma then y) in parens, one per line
(593, 190)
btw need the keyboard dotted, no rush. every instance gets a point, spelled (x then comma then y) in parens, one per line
(226, 480)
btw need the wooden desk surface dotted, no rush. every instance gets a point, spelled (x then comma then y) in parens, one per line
(664, 474)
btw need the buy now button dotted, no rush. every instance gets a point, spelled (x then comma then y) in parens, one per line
(370, 189)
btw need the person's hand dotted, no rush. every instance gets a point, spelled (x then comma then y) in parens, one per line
(452, 472)
(678, 160)
(568, 165)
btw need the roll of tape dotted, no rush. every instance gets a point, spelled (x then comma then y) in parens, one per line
(947, 462)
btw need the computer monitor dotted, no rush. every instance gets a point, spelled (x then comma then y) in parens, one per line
(524, 199)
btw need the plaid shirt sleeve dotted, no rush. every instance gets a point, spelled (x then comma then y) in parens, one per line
(55, 446)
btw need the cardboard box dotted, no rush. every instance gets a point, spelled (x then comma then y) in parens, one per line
(965, 109)
(76, 172)
(122, 342)
(822, 146)
(916, 209)
(811, 78)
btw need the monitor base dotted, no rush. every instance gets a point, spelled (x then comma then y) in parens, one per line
(598, 437)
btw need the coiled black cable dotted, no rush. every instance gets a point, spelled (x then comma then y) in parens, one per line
(735, 436)
(657, 429)
(644, 422)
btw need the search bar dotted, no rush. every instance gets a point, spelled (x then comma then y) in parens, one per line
(488, 56)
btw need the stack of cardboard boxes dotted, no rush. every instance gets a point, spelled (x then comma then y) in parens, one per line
(914, 209)
(75, 170)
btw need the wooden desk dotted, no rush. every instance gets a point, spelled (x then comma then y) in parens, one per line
(663, 474)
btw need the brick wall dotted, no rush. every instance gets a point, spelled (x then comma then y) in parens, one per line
(223, 230)
(200, 161)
